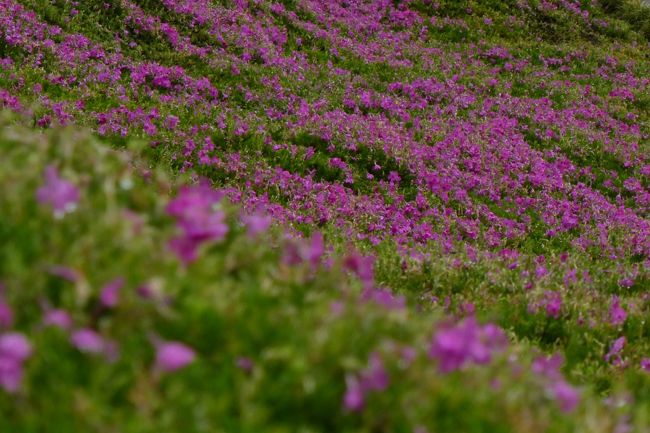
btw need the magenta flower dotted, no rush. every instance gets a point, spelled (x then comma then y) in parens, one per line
(88, 341)
(617, 314)
(172, 356)
(455, 346)
(553, 301)
(362, 266)
(64, 272)
(567, 396)
(316, 249)
(15, 346)
(14, 350)
(171, 122)
(384, 298)
(645, 364)
(256, 224)
(109, 295)
(6, 314)
(198, 218)
(372, 378)
(60, 194)
(353, 400)
(614, 354)
(245, 364)
(59, 318)
(11, 374)
(548, 367)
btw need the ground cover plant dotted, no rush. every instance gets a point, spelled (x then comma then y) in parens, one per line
(313, 215)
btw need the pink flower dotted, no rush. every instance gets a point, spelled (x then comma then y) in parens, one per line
(172, 356)
(645, 364)
(548, 367)
(171, 122)
(6, 314)
(316, 249)
(64, 272)
(371, 379)
(198, 218)
(14, 350)
(109, 296)
(87, 340)
(374, 377)
(362, 266)
(58, 318)
(553, 303)
(617, 314)
(15, 346)
(244, 363)
(384, 298)
(60, 194)
(11, 374)
(455, 346)
(353, 400)
(567, 396)
(614, 354)
(256, 224)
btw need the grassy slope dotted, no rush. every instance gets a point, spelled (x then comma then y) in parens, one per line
(496, 292)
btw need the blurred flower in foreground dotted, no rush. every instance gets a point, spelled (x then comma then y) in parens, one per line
(109, 295)
(353, 399)
(617, 314)
(614, 354)
(567, 396)
(14, 350)
(58, 318)
(6, 314)
(199, 219)
(256, 223)
(645, 364)
(372, 378)
(172, 356)
(87, 340)
(455, 346)
(548, 367)
(57, 192)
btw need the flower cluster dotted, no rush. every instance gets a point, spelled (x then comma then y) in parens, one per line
(467, 342)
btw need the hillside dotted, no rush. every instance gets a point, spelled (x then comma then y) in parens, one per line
(325, 216)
